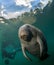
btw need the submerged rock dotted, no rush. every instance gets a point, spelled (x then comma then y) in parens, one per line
(6, 61)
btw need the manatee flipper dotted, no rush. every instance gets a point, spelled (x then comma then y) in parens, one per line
(43, 47)
(24, 53)
(41, 44)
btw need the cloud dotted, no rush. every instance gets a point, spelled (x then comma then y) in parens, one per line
(14, 8)
(26, 3)
(44, 3)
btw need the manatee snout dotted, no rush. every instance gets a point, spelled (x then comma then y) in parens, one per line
(26, 34)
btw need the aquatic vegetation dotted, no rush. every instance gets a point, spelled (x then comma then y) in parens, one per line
(28, 17)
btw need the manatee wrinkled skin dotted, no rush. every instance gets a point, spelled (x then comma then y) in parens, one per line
(33, 40)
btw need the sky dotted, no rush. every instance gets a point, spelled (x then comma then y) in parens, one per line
(14, 8)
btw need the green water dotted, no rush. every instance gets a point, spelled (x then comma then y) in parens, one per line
(9, 33)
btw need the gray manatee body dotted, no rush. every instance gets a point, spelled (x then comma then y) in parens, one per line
(33, 40)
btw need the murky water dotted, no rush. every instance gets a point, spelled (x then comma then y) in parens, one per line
(9, 40)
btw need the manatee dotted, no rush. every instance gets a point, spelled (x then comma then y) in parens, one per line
(32, 39)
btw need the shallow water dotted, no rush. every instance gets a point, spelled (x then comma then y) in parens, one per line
(9, 37)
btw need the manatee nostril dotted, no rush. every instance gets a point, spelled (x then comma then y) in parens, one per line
(21, 37)
(24, 37)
